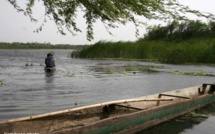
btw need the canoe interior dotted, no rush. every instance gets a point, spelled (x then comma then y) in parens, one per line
(79, 117)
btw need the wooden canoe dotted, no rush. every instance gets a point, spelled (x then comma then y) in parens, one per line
(124, 116)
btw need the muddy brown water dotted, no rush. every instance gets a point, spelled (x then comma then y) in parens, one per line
(27, 90)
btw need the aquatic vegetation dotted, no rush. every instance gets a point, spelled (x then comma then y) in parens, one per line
(27, 65)
(109, 72)
(198, 73)
(71, 75)
(208, 110)
(129, 68)
(188, 120)
(155, 66)
(198, 114)
(194, 117)
(192, 42)
(189, 51)
(126, 69)
(119, 71)
(113, 69)
(2, 83)
(177, 125)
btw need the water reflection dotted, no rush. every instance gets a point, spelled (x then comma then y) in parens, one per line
(49, 77)
(49, 80)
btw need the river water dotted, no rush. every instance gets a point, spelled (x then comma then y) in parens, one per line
(27, 90)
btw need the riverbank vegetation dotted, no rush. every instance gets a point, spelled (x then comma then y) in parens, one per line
(34, 45)
(176, 43)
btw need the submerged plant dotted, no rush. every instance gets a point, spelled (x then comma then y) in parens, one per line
(154, 66)
(198, 73)
(71, 75)
(109, 72)
(128, 69)
(2, 83)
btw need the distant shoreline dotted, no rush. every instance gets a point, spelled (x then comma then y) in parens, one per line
(18, 45)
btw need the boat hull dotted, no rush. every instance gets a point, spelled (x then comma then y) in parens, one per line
(137, 122)
(124, 116)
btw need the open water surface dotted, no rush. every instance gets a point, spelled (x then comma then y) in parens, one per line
(27, 90)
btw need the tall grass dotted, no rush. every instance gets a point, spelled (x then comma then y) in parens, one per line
(199, 50)
(175, 43)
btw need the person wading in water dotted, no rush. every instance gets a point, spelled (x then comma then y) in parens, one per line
(49, 61)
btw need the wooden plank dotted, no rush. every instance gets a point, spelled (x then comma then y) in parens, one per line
(169, 95)
(158, 99)
(176, 96)
(135, 108)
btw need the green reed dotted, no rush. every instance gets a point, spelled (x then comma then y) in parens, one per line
(176, 43)
(198, 50)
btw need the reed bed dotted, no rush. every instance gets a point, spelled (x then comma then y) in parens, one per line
(189, 51)
(176, 43)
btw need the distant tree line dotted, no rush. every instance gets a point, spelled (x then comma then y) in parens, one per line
(35, 45)
(181, 31)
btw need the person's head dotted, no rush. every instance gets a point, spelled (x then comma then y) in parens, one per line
(49, 54)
